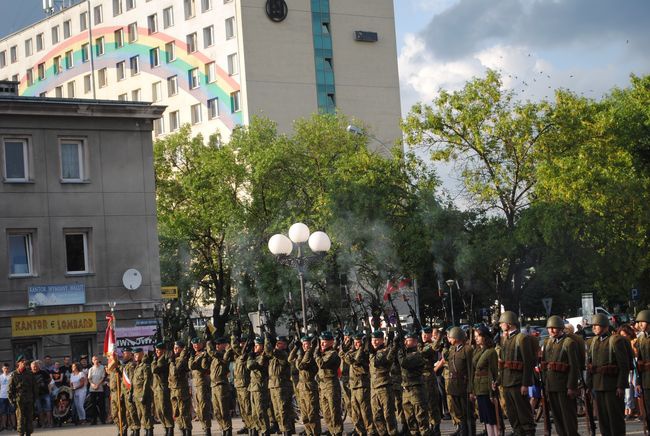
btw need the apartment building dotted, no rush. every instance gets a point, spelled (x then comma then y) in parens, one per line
(217, 63)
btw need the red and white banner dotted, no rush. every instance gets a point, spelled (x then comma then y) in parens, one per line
(109, 336)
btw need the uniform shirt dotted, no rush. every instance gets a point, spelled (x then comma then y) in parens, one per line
(307, 367)
(22, 387)
(517, 347)
(200, 366)
(328, 363)
(178, 371)
(412, 365)
(359, 365)
(141, 382)
(565, 351)
(381, 362)
(485, 370)
(219, 365)
(279, 367)
(258, 365)
(160, 372)
(241, 375)
(607, 350)
(459, 364)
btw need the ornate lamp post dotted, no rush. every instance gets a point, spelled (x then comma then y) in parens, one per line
(282, 247)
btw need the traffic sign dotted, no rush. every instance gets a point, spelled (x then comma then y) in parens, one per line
(547, 302)
(635, 295)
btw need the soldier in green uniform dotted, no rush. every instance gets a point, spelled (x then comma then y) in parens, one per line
(307, 394)
(118, 408)
(199, 365)
(241, 377)
(128, 368)
(358, 361)
(643, 359)
(381, 389)
(179, 388)
(516, 365)
(607, 372)
(560, 369)
(161, 395)
(142, 392)
(459, 365)
(22, 393)
(280, 386)
(328, 362)
(414, 397)
(258, 366)
(396, 379)
(220, 358)
(430, 350)
(345, 373)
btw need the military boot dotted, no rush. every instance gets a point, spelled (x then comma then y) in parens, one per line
(208, 432)
(436, 430)
(243, 430)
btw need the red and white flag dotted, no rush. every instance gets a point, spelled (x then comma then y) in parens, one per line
(126, 380)
(109, 336)
(390, 288)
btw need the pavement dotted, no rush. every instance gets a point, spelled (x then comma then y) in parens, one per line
(633, 428)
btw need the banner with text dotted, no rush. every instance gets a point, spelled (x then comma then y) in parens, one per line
(140, 336)
(57, 295)
(43, 325)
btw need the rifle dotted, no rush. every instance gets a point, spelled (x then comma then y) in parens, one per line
(398, 323)
(545, 403)
(417, 326)
(589, 406)
(497, 408)
(296, 322)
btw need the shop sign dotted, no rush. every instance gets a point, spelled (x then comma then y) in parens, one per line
(140, 336)
(43, 325)
(57, 295)
(169, 292)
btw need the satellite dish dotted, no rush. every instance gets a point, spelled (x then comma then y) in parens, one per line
(132, 279)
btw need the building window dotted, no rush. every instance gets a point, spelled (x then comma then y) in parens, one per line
(71, 92)
(233, 64)
(13, 54)
(29, 74)
(3, 59)
(156, 91)
(159, 126)
(117, 7)
(87, 83)
(58, 91)
(29, 47)
(208, 36)
(206, 5)
(41, 71)
(234, 102)
(122, 97)
(133, 32)
(152, 23)
(190, 8)
(135, 65)
(213, 108)
(230, 28)
(98, 14)
(193, 78)
(154, 57)
(168, 17)
(56, 64)
(72, 160)
(102, 77)
(69, 61)
(99, 46)
(195, 111)
(170, 51)
(40, 41)
(21, 252)
(120, 70)
(135, 95)
(16, 160)
(118, 35)
(210, 72)
(76, 251)
(83, 21)
(85, 52)
(130, 4)
(172, 86)
(191, 42)
(174, 121)
(55, 35)
(66, 29)
(14, 78)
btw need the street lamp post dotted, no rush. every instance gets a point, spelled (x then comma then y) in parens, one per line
(450, 283)
(282, 246)
(355, 130)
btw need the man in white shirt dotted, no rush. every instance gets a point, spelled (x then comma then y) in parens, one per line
(7, 413)
(96, 379)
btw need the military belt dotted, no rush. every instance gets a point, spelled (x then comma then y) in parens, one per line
(556, 366)
(643, 365)
(603, 369)
(483, 373)
(515, 365)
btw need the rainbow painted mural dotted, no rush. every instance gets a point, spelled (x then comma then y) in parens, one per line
(221, 88)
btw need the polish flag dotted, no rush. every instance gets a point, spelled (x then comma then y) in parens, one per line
(126, 380)
(109, 336)
(390, 288)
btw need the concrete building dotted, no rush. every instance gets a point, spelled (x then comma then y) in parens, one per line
(77, 211)
(217, 63)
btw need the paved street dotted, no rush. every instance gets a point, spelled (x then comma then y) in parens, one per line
(633, 428)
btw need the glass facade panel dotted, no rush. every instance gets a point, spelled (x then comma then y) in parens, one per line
(323, 56)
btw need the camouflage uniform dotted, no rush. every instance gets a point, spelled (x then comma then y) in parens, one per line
(241, 377)
(459, 364)
(280, 387)
(307, 393)
(430, 352)
(414, 397)
(382, 400)
(258, 388)
(219, 369)
(128, 368)
(143, 395)
(328, 362)
(161, 393)
(179, 390)
(200, 366)
(118, 408)
(360, 412)
(22, 392)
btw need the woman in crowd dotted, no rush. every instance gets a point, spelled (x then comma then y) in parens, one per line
(628, 333)
(78, 383)
(485, 370)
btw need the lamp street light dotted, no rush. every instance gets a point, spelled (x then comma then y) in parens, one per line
(356, 130)
(450, 283)
(282, 247)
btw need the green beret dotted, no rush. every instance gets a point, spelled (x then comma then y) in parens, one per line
(378, 334)
(20, 358)
(127, 349)
(180, 344)
(306, 338)
(196, 340)
(221, 340)
(327, 335)
(259, 340)
(282, 339)
(427, 329)
(160, 346)
(359, 336)
(347, 332)
(411, 335)
(137, 350)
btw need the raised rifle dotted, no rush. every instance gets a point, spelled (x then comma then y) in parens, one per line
(417, 326)
(398, 323)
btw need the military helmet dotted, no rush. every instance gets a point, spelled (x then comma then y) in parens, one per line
(644, 315)
(457, 333)
(555, 322)
(509, 317)
(600, 319)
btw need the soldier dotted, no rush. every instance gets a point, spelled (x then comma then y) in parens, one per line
(381, 394)
(161, 395)
(358, 361)
(128, 368)
(179, 388)
(241, 377)
(643, 362)
(345, 373)
(142, 393)
(396, 380)
(258, 365)
(459, 365)
(414, 397)
(431, 351)
(307, 393)
(561, 366)
(200, 366)
(22, 393)
(516, 363)
(118, 408)
(220, 358)
(328, 362)
(280, 386)
(607, 371)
